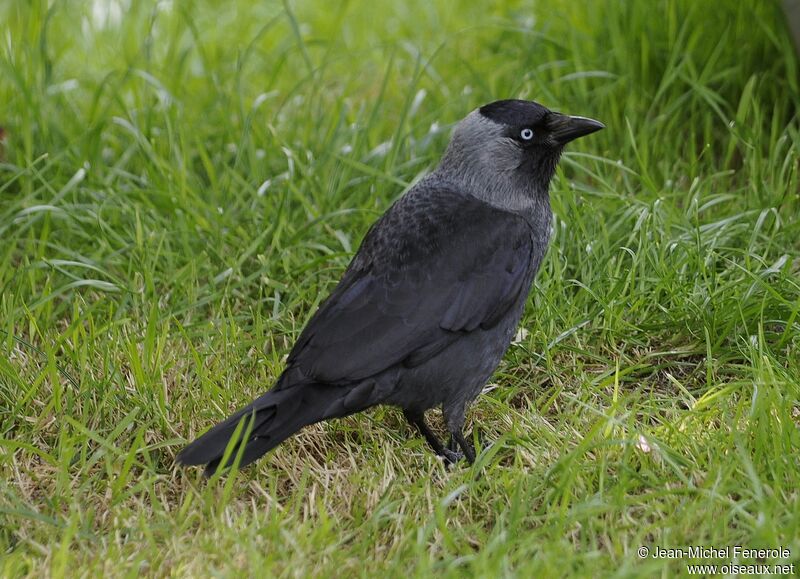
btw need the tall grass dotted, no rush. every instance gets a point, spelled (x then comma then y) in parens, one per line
(181, 183)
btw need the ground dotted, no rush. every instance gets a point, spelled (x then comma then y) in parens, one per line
(181, 183)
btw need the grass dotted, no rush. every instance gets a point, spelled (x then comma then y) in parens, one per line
(181, 183)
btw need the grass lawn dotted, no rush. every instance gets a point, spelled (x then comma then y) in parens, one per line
(182, 182)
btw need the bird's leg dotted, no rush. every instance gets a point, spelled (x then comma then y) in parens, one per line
(452, 444)
(454, 416)
(456, 435)
(418, 419)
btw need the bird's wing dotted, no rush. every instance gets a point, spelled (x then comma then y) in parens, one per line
(437, 265)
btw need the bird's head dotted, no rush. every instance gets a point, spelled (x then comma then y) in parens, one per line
(513, 141)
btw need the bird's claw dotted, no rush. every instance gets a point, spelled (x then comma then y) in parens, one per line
(451, 456)
(452, 445)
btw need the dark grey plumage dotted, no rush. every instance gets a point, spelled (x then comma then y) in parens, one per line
(431, 300)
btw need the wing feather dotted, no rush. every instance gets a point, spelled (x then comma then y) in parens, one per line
(438, 264)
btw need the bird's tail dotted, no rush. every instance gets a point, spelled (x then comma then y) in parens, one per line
(265, 423)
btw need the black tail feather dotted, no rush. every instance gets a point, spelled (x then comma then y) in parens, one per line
(211, 445)
(276, 416)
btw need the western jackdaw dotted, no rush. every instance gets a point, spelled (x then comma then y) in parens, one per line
(430, 302)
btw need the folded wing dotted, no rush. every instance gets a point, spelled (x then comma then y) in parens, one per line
(437, 265)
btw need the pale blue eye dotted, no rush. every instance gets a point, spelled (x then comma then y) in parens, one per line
(526, 134)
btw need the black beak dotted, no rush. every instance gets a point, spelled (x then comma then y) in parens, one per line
(565, 128)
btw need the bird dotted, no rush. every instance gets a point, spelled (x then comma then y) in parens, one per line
(430, 302)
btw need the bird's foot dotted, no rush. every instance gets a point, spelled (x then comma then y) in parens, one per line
(451, 456)
(462, 446)
(452, 445)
